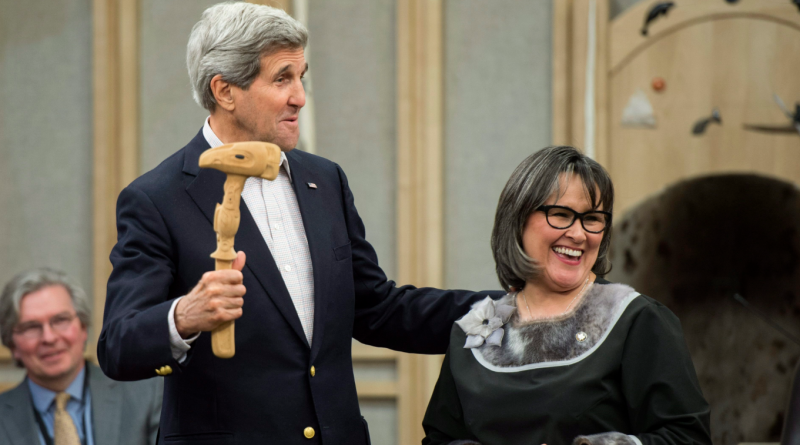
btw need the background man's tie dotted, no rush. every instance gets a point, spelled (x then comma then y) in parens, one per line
(64, 431)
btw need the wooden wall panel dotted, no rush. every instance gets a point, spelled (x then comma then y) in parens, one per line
(572, 63)
(619, 43)
(419, 200)
(628, 41)
(562, 71)
(116, 130)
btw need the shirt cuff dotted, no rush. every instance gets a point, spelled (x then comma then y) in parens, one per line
(178, 345)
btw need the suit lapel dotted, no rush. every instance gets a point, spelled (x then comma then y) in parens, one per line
(17, 416)
(106, 406)
(206, 191)
(314, 219)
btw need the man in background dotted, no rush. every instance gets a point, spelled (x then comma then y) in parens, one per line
(64, 400)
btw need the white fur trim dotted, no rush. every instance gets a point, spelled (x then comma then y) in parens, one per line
(620, 310)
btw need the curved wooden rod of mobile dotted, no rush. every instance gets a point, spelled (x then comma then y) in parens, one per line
(239, 161)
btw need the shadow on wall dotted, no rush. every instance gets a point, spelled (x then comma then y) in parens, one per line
(693, 246)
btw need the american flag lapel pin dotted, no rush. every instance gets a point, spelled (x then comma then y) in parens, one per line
(311, 185)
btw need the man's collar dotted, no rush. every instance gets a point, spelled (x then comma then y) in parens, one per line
(214, 141)
(43, 397)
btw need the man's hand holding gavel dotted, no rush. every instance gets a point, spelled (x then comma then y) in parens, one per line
(217, 298)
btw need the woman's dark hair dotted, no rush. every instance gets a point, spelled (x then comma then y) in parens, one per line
(531, 184)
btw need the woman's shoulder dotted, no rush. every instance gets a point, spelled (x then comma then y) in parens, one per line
(645, 316)
(634, 300)
(638, 301)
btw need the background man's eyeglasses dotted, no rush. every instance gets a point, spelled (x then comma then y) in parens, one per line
(33, 330)
(560, 217)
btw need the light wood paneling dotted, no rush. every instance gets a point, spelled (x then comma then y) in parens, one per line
(419, 200)
(734, 64)
(365, 353)
(419, 142)
(562, 71)
(628, 41)
(711, 54)
(571, 44)
(376, 389)
(601, 151)
(116, 129)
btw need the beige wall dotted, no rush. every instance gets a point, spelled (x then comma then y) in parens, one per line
(169, 117)
(497, 112)
(617, 7)
(45, 142)
(45, 136)
(352, 64)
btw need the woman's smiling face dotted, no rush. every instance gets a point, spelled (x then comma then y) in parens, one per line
(565, 257)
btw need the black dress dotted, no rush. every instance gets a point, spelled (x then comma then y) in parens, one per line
(617, 363)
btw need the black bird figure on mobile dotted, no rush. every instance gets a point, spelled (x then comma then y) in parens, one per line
(700, 126)
(659, 9)
(792, 127)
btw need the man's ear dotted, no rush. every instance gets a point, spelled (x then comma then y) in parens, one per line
(222, 92)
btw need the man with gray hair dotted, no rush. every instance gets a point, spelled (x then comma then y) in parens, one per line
(64, 400)
(312, 280)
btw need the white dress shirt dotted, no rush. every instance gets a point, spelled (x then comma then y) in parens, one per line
(274, 207)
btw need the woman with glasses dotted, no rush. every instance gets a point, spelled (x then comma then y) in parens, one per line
(565, 357)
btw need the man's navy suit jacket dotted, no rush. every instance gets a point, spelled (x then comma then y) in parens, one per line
(265, 393)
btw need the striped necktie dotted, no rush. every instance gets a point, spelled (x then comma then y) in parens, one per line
(64, 431)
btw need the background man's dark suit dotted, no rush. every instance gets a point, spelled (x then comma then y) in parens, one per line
(122, 413)
(265, 393)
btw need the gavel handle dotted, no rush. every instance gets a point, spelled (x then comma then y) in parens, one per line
(226, 224)
(223, 339)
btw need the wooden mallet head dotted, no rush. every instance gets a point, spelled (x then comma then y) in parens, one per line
(239, 161)
(260, 159)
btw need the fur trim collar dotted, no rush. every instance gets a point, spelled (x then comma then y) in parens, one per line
(561, 338)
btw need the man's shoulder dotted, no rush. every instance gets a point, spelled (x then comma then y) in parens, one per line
(15, 394)
(16, 415)
(312, 161)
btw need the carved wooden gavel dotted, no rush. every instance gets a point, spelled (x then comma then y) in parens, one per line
(239, 161)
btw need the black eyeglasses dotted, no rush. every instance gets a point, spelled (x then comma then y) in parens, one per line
(560, 217)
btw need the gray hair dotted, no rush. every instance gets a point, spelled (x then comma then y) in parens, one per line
(30, 281)
(533, 181)
(230, 40)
